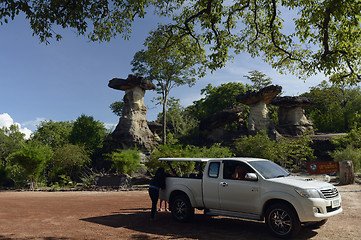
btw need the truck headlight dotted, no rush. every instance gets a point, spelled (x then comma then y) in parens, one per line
(308, 193)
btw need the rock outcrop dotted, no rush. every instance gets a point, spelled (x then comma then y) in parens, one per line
(291, 117)
(258, 118)
(132, 129)
(221, 118)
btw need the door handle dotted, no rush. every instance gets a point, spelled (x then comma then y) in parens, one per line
(224, 184)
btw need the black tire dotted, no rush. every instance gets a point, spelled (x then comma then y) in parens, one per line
(315, 225)
(282, 220)
(181, 208)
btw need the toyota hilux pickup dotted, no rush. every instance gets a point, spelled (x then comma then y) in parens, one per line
(251, 188)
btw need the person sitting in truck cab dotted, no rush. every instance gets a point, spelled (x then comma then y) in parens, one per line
(238, 173)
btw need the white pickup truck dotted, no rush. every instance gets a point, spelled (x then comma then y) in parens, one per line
(252, 188)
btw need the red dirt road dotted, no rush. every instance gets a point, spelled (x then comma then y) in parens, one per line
(125, 215)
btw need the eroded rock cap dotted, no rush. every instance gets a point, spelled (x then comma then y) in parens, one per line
(266, 94)
(131, 82)
(289, 101)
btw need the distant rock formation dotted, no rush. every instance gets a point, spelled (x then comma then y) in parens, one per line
(291, 117)
(221, 118)
(258, 118)
(214, 125)
(132, 129)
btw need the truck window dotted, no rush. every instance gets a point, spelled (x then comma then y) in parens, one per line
(213, 171)
(235, 170)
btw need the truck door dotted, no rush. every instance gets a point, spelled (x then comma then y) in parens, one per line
(210, 185)
(235, 193)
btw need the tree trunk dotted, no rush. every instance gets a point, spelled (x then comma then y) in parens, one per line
(164, 138)
(347, 174)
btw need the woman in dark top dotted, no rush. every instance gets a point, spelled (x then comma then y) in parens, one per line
(156, 184)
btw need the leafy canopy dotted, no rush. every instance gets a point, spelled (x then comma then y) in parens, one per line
(303, 37)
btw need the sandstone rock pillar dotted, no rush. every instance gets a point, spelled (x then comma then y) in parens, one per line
(291, 117)
(132, 129)
(258, 118)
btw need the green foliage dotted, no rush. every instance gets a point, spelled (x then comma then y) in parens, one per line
(117, 108)
(178, 151)
(179, 121)
(258, 79)
(125, 161)
(11, 140)
(218, 98)
(172, 66)
(349, 153)
(321, 35)
(67, 163)
(16, 173)
(353, 139)
(337, 106)
(32, 157)
(259, 146)
(289, 153)
(88, 132)
(54, 134)
(293, 153)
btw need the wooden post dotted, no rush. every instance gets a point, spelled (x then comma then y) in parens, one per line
(347, 174)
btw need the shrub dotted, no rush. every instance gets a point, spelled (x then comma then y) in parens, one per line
(348, 154)
(353, 138)
(125, 161)
(289, 153)
(293, 153)
(258, 146)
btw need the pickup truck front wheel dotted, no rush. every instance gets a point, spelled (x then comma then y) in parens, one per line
(181, 208)
(282, 220)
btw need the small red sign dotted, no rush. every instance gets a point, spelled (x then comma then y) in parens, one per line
(322, 167)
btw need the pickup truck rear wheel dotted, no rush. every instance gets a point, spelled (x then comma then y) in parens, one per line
(181, 208)
(282, 220)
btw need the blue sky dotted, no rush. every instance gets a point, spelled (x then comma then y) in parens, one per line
(67, 78)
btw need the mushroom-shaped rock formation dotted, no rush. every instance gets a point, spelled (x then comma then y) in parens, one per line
(291, 117)
(258, 118)
(132, 129)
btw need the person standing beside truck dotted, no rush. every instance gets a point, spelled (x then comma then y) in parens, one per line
(157, 183)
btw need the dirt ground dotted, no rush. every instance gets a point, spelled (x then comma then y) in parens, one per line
(125, 215)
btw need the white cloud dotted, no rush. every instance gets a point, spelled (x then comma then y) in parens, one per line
(33, 124)
(7, 121)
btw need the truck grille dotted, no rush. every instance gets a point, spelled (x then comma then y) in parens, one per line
(329, 193)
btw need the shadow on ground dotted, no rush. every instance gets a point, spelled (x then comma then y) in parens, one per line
(201, 227)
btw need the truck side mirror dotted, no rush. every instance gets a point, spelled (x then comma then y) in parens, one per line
(251, 177)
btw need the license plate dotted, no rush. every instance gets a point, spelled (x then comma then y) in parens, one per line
(335, 203)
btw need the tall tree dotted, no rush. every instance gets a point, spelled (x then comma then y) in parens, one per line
(303, 37)
(55, 134)
(88, 132)
(217, 99)
(32, 157)
(169, 67)
(11, 139)
(337, 106)
(258, 79)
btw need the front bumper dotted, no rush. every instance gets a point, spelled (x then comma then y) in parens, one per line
(317, 209)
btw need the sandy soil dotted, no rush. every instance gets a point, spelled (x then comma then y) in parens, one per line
(125, 215)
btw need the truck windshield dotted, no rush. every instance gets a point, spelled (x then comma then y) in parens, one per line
(269, 169)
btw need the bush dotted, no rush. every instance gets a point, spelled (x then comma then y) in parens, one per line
(348, 154)
(125, 161)
(258, 146)
(289, 153)
(353, 138)
(293, 153)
